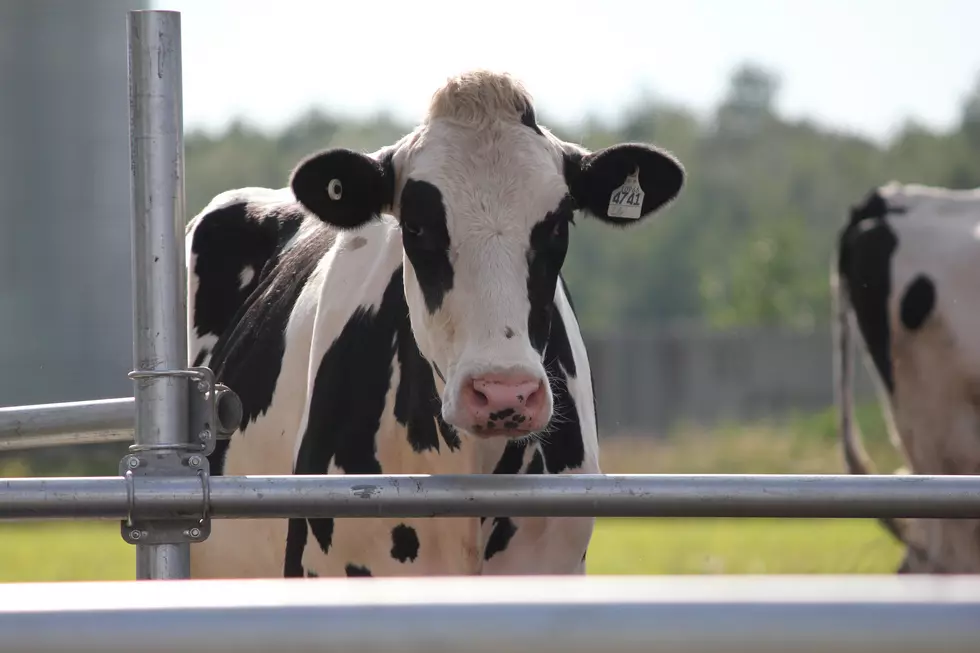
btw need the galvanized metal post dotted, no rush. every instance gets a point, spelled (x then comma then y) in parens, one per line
(160, 307)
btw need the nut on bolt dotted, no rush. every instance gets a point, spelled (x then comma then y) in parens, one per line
(133, 462)
(193, 533)
(135, 535)
(194, 461)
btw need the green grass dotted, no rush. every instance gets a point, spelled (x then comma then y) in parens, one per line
(807, 444)
(741, 546)
(94, 551)
(63, 551)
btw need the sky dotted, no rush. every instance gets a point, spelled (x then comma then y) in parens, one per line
(862, 66)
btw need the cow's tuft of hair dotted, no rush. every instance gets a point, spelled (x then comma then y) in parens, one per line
(480, 96)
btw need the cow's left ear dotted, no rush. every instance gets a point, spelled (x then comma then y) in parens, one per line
(622, 184)
(344, 188)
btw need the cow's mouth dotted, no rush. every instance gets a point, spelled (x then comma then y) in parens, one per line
(486, 431)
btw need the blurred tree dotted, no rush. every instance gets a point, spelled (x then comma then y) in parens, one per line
(768, 280)
(749, 102)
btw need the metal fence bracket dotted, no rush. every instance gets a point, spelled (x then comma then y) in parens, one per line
(166, 464)
(214, 411)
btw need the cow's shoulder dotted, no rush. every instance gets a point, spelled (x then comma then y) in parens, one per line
(230, 244)
(367, 373)
(362, 329)
(365, 355)
(277, 315)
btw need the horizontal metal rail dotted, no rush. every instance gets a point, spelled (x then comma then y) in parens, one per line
(97, 421)
(655, 495)
(489, 615)
(68, 423)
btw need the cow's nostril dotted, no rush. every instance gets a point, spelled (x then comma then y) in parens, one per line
(476, 397)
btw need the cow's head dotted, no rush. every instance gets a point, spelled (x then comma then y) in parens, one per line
(485, 198)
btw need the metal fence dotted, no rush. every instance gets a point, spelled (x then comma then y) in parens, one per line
(165, 499)
(489, 615)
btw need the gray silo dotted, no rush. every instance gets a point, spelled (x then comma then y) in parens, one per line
(65, 294)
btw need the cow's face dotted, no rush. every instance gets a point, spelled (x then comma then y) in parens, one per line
(485, 199)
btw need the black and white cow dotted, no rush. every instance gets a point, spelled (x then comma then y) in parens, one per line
(908, 267)
(403, 312)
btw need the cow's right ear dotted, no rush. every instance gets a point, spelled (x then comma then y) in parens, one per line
(344, 188)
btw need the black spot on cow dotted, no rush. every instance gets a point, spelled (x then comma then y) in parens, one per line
(349, 393)
(865, 249)
(322, 532)
(536, 466)
(571, 305)
(312, 574)
(201, 355)
(425, 237)
(248, 358)
(502, 532)
(917, 302)
(502, 414)
(508, 333)
(873, 207)
(563, 447)
(510, 460)
(404, 543)
(229, 239)
(418, 406)
(348, 396)
(545, 256)
(296, 534)
(559, 348)
(357, 570)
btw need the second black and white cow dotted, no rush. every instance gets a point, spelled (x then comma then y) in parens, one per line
(403, 312)
(908, 263)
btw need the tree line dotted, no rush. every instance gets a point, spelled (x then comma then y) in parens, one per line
(747, 244)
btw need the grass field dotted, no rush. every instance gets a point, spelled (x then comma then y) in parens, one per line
(94, 550)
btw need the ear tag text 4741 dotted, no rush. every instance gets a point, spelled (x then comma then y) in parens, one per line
(627, 200)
